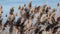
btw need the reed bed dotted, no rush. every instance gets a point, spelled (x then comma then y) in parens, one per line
(44, 23)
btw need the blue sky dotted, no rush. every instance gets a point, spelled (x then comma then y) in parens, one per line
(7, 4)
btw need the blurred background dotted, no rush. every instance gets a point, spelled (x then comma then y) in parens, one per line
(7, 4)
